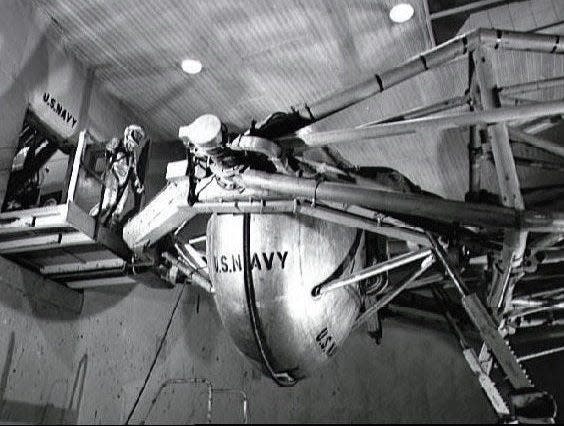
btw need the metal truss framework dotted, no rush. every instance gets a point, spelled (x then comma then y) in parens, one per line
(516, 242)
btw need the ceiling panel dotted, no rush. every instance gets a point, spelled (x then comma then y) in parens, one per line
(264, 56)
(259, 56)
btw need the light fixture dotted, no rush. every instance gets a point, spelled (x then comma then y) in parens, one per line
(401, 12)
(191, 66)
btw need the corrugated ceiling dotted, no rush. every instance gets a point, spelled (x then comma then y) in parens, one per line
(259, 56)
(264, 56)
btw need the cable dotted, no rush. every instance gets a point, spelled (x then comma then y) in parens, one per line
(154, 363)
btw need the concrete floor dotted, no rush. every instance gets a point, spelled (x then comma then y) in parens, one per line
(59, 365)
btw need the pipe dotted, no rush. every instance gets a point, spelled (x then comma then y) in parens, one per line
(423, 111)
(354, 221)
(252, 206)
(547, 241)
(544, 332)
(550, 256)
(325, 213)
(452, 121)
(545, 294)
(538, 125)
(205, 196)
(452, 273)
(519, 312)
(517, 40)
(380, 82)
(505, 100)
(535, 141)
(363, 274)
(191, 273)
(532, 303)
(544, 165)
(531, 86)
(534, 323)
(388, 297)
(503, 283)
(406, 204)
(543, 195)
(433, 58)
(540, 354)
(465, 8)
(196, 240)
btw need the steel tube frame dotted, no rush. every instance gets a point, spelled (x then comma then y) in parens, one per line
(484, 323)
(459, 46)
(450, 121)
(443, 105)
(531, 86)
(472, 359)
(334, 215)
(536, 142)
(244, 206)
(465, 8)
(550, 256)
(451, 272)
(389, 296)
(351, 220)
(406, 204)
(546, 241)
(363, 274)
(192, 274)
(535, 323)
(532, 303)
(540, 354)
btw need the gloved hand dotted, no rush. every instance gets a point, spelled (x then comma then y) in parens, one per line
(138, 186)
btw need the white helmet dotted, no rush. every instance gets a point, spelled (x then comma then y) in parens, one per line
(133, 135)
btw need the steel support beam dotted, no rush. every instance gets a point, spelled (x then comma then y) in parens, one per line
(531, 86)
(193, 275)
(547, 352)
(466, 8)
(441, 106)
(484, 323)
(406, 127)
(440, 55)
(371, 271)
(510, 191)
(437, 209)
(389, 296)
(520, 136)
(514, 241)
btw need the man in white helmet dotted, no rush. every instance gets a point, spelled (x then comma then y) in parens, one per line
(121, 169)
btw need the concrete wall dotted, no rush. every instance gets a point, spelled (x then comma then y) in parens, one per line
(59, 365)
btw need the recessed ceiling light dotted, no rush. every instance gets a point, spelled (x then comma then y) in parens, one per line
(191, 66)
(402, 12)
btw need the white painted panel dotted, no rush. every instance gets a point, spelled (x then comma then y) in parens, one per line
(56, 96)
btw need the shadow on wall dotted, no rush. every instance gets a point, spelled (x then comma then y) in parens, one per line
(48, 413)
(23, 290)
(202, 325)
